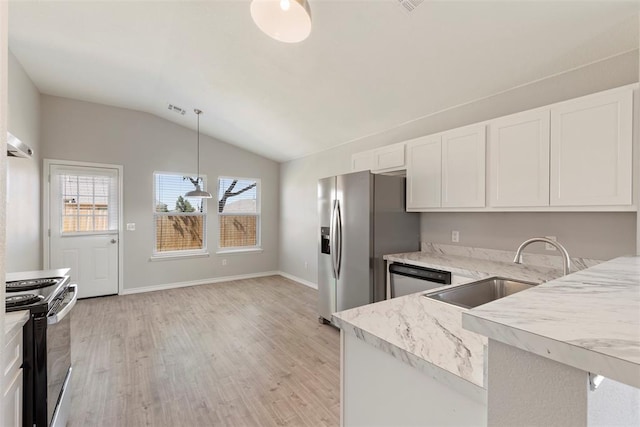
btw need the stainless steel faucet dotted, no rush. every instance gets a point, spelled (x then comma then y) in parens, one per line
(566, 267)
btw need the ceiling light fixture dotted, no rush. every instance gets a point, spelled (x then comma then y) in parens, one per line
(287, 21)
(198, 192)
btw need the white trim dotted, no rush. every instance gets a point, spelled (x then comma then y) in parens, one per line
(175, 256)
(46, 177)
(212, 280)
(299, 280)
(239, 251)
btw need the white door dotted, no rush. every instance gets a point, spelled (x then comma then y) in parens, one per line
(463, 167)
(83, 226)
(591, 150)
(424, 168)
(519, 160)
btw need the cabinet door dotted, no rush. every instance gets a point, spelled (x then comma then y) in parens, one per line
(591, 144)
(424, 170)
(389, 158)
(463, 167)
(12, 402)
(519, 160)
(362, 161)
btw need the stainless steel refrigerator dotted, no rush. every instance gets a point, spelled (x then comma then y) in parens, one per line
(362, 218)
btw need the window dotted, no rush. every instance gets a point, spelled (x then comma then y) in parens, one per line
(89, 201)
(239, 213)
(180, 222)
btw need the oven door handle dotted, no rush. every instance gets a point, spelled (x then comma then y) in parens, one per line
(56, 317)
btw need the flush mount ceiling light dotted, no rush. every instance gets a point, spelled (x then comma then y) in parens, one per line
(287, 21)
(198, 192)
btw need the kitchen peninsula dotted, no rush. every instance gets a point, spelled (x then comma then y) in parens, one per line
(384, 344)
(547, 344)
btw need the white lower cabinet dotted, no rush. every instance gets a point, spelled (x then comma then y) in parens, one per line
(12, 402)
(591, 150)
(519, 160)
(11, 405)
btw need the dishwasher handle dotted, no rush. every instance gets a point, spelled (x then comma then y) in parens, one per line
(422, 273)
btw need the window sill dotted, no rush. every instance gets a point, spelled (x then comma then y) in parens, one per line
(177, 256)
(239, 251)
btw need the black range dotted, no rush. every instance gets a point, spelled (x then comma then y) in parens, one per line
(49, 298)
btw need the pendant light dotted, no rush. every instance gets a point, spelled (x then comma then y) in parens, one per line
(287, 21)
(198, 192)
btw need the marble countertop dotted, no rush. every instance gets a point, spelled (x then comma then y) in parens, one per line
(589, 319)
(14, 321)
(476, 268)
(425, 333)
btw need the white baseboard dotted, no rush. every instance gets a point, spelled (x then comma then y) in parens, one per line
(198, 282)
(299, 280)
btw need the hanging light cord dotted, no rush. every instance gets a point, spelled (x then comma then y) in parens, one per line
(198, 112)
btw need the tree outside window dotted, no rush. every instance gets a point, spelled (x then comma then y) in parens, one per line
(180, 222)
(238, 213)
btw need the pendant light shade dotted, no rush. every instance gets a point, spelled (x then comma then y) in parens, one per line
(287, 21)
(198, 192)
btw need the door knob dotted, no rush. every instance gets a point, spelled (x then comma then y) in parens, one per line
(113, 240)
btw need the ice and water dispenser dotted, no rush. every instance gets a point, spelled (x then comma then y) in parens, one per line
(324, 240)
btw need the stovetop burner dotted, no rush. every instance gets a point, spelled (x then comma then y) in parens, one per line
(20, 300)
(28, 285)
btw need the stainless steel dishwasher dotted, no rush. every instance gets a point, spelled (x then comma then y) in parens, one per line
(408, 279)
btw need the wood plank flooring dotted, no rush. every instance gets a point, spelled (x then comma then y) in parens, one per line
(241, 353)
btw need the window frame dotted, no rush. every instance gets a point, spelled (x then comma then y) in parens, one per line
(182, 253)
(240, 249)
(112, 198)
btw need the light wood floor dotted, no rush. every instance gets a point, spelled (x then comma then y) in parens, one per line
(241, 353)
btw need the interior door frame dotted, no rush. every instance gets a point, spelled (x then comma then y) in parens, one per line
(46, 208)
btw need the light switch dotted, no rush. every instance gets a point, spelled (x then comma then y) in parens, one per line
(131, 226)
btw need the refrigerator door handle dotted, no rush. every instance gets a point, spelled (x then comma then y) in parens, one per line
(332, 239)
(338, 240)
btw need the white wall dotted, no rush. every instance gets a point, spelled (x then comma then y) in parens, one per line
(143, 143)
(4, 51)
(24, 237)
(298, 222)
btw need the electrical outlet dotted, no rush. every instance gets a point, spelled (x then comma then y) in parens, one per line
(549, 247)
(224, 261)
(131, 226)
(306, 265)
(455, 236)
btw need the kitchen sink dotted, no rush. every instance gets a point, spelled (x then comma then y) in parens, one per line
(481, 292)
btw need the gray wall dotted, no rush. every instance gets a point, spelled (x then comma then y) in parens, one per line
(298, 236)
(143, 143)
(598, 235)
(24, 237)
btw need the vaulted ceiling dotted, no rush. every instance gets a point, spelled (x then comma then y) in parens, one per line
(368, 65)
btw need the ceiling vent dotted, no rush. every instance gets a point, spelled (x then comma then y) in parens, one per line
(409, 5)
(177, 109)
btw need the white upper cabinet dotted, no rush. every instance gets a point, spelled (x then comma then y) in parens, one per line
(362, 161)
(463, 167)
(424, 168)
(591, 150)
(519, 160)
(389, 158)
